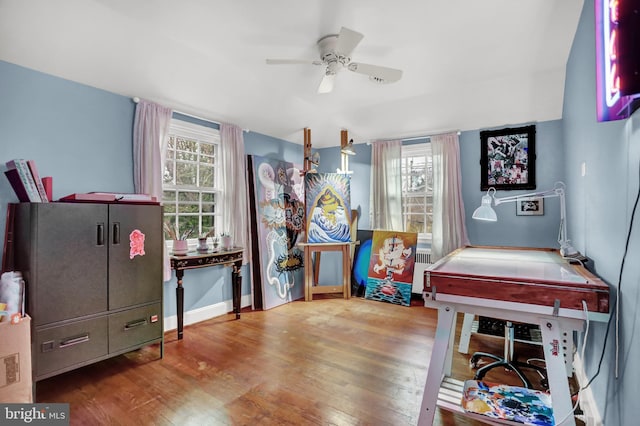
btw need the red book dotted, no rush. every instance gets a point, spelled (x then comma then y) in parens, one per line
(47, 182)
(27, 180)
(16, 183)
(37, 180)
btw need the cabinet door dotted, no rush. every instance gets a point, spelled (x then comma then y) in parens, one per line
(135, 254)
(68, 260)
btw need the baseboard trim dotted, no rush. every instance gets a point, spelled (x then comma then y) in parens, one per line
(587, 401)
(202, 314)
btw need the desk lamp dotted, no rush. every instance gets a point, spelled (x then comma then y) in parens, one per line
(485, 212)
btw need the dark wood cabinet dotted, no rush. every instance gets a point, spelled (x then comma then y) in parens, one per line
(93, 276)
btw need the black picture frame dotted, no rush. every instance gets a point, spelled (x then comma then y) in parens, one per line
(508, 158)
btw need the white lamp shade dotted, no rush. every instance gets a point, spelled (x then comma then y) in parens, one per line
(485, 212)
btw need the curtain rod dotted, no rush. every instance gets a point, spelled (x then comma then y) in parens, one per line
(137, 99)
(413, 138)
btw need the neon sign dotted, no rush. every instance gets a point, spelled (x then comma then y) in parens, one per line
(611, 105)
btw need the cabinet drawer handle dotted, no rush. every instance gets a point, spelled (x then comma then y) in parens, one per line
(116, 233)
(100, 234)
(74, 341)
(133, 324)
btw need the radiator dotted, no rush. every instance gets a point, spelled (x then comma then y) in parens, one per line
(423, 260)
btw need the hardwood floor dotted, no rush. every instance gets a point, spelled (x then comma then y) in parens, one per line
(326, 362)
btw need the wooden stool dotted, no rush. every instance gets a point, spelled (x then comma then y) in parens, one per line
(311, 272)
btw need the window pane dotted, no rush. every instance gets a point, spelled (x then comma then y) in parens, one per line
(208, 208)
(206, 176)
(169, 208)
(186, 173)
(189, 196)
(207, 149)
(188, 224)
(188, 208)
(208, 197)
(208, 222)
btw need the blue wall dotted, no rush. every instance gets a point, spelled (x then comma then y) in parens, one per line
(600, 206)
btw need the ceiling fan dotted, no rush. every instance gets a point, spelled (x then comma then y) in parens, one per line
(335, 54)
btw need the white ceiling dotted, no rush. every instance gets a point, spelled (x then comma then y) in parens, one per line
(467, 64)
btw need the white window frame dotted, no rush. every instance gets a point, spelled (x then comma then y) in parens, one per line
(413, 150)
(201, 134)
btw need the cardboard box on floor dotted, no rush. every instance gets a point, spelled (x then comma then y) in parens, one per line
(15, 361)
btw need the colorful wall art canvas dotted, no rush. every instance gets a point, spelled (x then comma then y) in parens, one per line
(361, 256)
(393, 256)
(277, 225)
(512, 404)
(328, 207)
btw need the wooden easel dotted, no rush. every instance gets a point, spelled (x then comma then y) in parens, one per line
(308, 164)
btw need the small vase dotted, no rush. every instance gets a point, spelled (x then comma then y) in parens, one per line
(226, 242)
(202, 245)
(180, 247)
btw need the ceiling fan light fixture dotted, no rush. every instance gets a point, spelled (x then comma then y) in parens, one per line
(335, 54)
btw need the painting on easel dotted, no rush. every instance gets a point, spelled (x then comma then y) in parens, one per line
(328, 207)
(277, 225)
(391, 267)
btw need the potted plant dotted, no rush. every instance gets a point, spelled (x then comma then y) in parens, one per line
(225, 241)
(180, 245)
(202, 240)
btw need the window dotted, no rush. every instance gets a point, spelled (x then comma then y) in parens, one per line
(191, 190)
(417, 188)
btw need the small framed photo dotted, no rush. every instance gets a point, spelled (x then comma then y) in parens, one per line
(529, 206)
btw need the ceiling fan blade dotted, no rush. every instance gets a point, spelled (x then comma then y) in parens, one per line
(377, 73)
(292, 62)
(326, 85)
(347, 41)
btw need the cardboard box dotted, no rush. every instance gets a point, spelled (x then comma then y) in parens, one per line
(15, 361)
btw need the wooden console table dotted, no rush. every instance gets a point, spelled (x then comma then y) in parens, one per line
(194, 260)
(311, 286)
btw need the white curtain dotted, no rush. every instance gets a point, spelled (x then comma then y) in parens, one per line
(386, 186)
(234, 172)
(150, 129)
(449, 231)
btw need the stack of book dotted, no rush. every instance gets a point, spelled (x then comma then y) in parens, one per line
(25, 180)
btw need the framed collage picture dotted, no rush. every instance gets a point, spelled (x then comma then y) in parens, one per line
(507, 158)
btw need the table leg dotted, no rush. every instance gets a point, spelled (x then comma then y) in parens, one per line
(180, 301)
(556, 372)
(308, 274)
(441, 346)
(346, 271)
(465, 333)
(236, 287)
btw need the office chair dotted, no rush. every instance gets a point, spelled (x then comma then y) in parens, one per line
(507, 360)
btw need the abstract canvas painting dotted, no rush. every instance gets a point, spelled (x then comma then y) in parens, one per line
(360, 269)
(277, 216)
(328, 207)
(391, 267)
